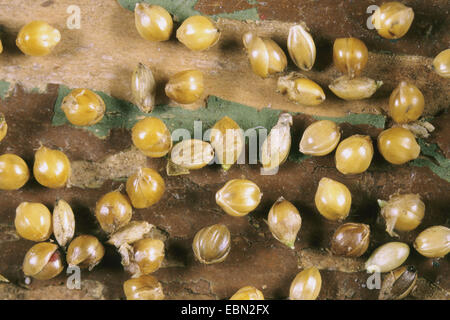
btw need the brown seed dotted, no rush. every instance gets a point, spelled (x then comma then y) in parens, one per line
(398, 283)
(212, 244)
(351, 240)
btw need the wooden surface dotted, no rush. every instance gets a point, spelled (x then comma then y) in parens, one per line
(102, 54)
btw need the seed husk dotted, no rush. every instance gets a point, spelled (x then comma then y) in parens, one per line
(130, 233)
(320, 138)
(277, 145)
(284, 222)
(398, 283)
(387, 257)
(402, 212)
(192, 154)
(143, 88)
(301, 47)
(354, 89)
(300, 89)
(228, 142)
(63, 222)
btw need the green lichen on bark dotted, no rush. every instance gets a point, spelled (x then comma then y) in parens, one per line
(182, 9)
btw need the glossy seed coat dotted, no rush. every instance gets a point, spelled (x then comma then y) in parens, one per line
(212, 244)
(51, 168)
(306, 285)
(398, 145)
(33, 221)
(151, 136)
(238, 197)
(406, 103)
(301, 47)
(153, 22)
(433, 242)
(14, 172)
(320, 138)
(265, 55)
(83, 107)
(387, 257)
(145, 188)
(37, 38)
(198, 33)
(354, 154)
(392, 20)
(185, 87)
(354, 88)
(350, 56)
(351, 240)
(300, 89)
(333, 199)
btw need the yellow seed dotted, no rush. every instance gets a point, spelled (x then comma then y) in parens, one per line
(113, 211)
(83, 107)
(333, 199)
(300, 89)
(284, 222)
(145, 287)
(145, 188)
(406, 103)
(354, 89)
(153, 22)
(441, 64)
(392, 20)
(301, 47)
(265, 55)
(238, 197)
(306, 285)
(3, 126)
(320, 138)
(387, 257)
(43, 261)
(402, 212)
(151, 136)
(148, 255)
(185, 87)
(212, 244)
(37, 38)
(354, 154)
(14, 172)
(63, 223)
(85, 251)
(398, 145)
(350, 56)
(192, 154)
(143, 88)
(33, 221)
(433, 242)
(351, 240)
(198, 33)
(1, 46)
(227, 139)
(51, 167)
(277, 145)
(248, 293)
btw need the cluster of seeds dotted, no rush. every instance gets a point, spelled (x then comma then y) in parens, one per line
(141, 254)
